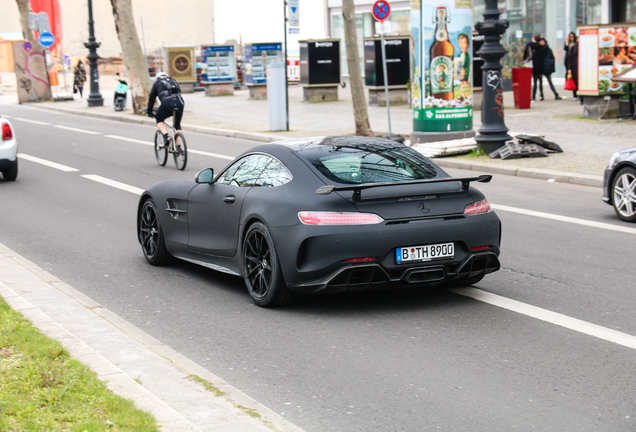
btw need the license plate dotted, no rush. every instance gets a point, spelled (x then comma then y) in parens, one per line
(425, 253)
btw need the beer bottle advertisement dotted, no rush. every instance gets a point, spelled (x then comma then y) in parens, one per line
(442, 96)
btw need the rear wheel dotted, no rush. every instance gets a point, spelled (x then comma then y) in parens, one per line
(181, 151)
(624, 194)
(161, 150)
(10, 174)
(151, 235)
(459, 283)
(261, 269)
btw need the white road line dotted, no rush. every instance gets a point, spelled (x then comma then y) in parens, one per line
(130, 140)
(590, 329)
(6, 116)
(565, 219)
(113, 183)
(78, 130)
(47, 163)
(215, 155)
(32, 121)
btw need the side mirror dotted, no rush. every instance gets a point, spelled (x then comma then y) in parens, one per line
(206, 175)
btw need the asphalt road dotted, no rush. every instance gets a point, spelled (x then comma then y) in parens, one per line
(555, 352)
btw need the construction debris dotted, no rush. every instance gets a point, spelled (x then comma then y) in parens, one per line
(446, 148)
(513, 150)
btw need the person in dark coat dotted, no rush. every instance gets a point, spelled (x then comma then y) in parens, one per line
(572, 60)
(548, 66)
(533, 50)
(79, 77)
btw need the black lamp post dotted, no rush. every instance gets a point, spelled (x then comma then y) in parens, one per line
(493, 132)
(94, 98)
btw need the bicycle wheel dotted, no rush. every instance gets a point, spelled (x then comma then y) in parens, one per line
(161, 150)
(181, 151)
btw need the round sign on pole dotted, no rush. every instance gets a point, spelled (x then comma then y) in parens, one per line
(381, 10)
(27, 46)
(47, 39)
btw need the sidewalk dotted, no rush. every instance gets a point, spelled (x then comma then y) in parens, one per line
(587, 143)
(134, 365)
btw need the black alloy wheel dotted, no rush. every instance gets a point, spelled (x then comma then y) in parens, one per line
(161, 149)
(261, 269)
(624, 194)
(181, 151)
(151, 237)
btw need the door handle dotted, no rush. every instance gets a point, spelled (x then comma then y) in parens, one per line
(229, 199)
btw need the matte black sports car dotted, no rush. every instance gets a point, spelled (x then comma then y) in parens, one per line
(619, 184)
(323, 215)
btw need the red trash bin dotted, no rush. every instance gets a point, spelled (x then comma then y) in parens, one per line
(522, 87)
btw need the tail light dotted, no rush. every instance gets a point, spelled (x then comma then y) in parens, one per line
(357, 260)
(478, 208)
(7, 133)
(336, 218)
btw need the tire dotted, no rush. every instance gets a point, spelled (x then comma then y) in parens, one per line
(261, 269)
(151, 236)
(624, 194)
(161, 151)
(181, 154)
(10, 174)
(460, 283)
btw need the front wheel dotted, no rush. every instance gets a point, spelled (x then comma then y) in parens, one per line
(624, 194)
(161, 150)
(261, 269)
(181, 151)
(151, 237)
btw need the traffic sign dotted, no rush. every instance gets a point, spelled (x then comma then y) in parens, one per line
(381, 10)
(47, 39)
(27, 46)
(294, 13)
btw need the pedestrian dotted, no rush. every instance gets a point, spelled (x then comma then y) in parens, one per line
(536, 52)
(572, 60)
(548, 66)
(79, 78)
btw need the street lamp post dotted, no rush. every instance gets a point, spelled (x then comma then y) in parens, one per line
(94, 98)
(493, 133)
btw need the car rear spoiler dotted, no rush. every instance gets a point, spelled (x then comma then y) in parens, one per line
(327, 189)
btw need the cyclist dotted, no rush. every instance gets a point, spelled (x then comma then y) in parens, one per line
(169, 93)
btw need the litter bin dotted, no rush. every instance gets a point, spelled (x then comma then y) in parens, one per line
(522, 87)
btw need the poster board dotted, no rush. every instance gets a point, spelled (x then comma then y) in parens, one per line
(257, 57)
(605, 51)
(220, 62)
(320, 62)
(179, 63)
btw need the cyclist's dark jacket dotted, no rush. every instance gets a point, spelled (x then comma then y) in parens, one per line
(169, 101)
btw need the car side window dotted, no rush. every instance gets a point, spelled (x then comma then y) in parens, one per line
(245, 171)
(275, 174)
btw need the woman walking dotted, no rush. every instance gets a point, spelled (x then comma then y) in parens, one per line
(548, 66)
(572, 60)
(79, 77)
(535, 52)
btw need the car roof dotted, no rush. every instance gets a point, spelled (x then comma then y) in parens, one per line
(360, 142)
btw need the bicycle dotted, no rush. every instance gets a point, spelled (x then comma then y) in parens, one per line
(177, 147)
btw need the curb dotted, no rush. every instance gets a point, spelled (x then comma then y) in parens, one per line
(536, 173)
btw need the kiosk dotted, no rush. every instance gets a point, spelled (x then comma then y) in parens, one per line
(179, 64)
(219, 74)
(320, 69)
(398, 68)
(257, 57)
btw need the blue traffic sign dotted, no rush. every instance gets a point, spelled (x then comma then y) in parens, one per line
(381, 10)
(47, 39)
(27, 46)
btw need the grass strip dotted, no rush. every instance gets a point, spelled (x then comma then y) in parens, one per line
(43, 389)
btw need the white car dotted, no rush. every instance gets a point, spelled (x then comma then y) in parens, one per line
(8, 151)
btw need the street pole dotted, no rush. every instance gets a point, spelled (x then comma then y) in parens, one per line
(286, 79)
(143, 37)
(386, 79)
(94, 98)
(493, 133)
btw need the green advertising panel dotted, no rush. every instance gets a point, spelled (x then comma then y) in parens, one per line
(442, 92)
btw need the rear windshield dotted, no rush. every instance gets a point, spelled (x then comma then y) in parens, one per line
(369, 164)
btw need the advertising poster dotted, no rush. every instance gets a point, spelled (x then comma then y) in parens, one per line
(220, 63)
(257, 57)
(442, 94)
(181, 64)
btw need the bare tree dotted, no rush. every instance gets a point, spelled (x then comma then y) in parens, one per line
(355, 75)
(134, 58)
(25, 7)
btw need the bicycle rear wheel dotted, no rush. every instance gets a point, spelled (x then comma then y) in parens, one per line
(181, 151)
(161, 150)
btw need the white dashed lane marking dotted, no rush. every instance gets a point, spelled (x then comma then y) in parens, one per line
(78, 130)
(113, 183)
(47, 163)
(32, 121)
(121, 138)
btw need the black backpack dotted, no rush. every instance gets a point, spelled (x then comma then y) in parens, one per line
(170, 85)
(548, 65)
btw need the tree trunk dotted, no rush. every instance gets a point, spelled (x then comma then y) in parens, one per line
(355, 75)
(134, 58)
(24, 7)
